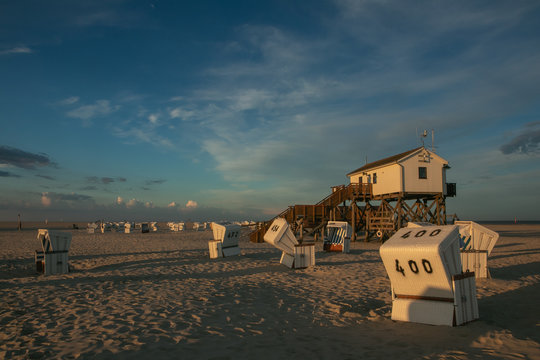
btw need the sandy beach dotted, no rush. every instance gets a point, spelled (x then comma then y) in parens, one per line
(159, 295)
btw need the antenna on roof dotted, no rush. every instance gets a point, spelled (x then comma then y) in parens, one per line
(424, 134)
(432, 140)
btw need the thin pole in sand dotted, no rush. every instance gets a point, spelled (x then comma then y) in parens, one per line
(19, 223)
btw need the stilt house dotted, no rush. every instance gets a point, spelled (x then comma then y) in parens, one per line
(417, 171)
(381, 197)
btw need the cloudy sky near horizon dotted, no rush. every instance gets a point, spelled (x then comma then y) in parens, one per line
(211, 110)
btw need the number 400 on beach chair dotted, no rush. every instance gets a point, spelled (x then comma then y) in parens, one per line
(428, 285)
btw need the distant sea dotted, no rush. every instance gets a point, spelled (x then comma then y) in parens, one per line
(525, 222)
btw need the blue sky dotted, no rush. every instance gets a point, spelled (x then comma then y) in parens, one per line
(174, 110)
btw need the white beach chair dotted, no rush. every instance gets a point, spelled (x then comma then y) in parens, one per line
(91, 228)
(294, 255)
(225, 241)
(477, 242)
(129, 227)
(53, 259)
(428, 285)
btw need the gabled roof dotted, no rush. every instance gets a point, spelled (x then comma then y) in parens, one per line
(385, 161)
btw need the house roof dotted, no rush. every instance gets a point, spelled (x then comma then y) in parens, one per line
(385, 161)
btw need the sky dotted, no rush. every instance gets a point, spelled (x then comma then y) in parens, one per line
(234, 110)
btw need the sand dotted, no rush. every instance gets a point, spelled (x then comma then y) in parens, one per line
(158, 295)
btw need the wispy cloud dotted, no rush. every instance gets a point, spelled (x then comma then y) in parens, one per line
(97, 14)
(135, 203)
(8, 174)
(153, 118)
(88, 112)
(107, 180)
(154, 182)
(104, 180)
(143, 134)
(69, 101)
(180, 113)
(526, 142)
(322, 101)
(49, 199)
(46, 177)
(16, 50)
(23, 159)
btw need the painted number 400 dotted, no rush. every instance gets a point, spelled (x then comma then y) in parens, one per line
(421, 233)
(413, 266)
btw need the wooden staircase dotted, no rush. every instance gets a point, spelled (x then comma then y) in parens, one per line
(316, 216)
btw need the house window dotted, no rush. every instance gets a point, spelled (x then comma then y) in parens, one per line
(422, 172)
(359, 179)
(374, 178)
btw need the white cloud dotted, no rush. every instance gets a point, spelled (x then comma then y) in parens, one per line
(149, 205)
(62, 199)
(88, 112)
(153, 118)
(45, 199)
(146, 135)
(69, 101)
(132, 203)
(191, 204)
(135, 203)
(251, 99)
(181, 114)
(119, 200)
(17, 50)
(172, 204)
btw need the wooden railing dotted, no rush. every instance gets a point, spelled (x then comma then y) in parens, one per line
(314, 214)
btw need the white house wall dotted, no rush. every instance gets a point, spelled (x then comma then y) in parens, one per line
(404, 175)
(388, 179)
(433, 183)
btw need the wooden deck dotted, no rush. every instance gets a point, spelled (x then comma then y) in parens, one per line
(376, 216)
